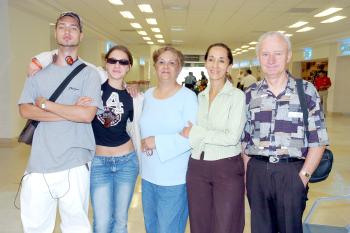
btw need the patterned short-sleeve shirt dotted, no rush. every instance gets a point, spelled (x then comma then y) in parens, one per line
(275, 124)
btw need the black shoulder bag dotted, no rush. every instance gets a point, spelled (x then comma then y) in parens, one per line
(26, 136)
(324, 168)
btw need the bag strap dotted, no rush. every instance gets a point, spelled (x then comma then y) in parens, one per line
(303, 105)
(63, 85)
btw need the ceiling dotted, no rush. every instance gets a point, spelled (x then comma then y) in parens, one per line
(235, 22)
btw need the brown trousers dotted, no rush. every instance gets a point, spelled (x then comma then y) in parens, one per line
(216, 195)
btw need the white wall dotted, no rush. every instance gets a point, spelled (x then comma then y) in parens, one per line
(5, 59)
(342, 85)
(28, 35)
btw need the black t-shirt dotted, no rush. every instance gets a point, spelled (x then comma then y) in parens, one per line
(110, 126)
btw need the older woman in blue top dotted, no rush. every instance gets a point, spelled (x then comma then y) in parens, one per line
(215, 176)
(168, 108)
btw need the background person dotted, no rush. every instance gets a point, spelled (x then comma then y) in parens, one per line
(215, 176)
(248, 79)
(322, 84)
(167, 109)
(190, 81)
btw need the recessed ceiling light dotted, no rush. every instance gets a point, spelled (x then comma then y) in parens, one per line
(251, 48)
(298, 24)
(244, 46)
(244, 50)
(151, 21)
(127, 14)
(155, 29)
(334, 19)
(306, 29)
(146, 8)
(161, 41)
(177, 28)
(146, 38)
(328, 12)
(282, 32)
(135, 25)
(238, 49)
(142, 33)
(159, 36)
(150, 42)
(177, 41)
(253, 43)
(116, 2)
(238, 53)
(288, 34)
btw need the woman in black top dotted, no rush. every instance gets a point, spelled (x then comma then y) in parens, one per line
(115, 166)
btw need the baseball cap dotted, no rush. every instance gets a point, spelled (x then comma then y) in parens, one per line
(70, 14)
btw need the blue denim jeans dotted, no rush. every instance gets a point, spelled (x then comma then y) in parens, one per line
(165, 208)
(112, 186)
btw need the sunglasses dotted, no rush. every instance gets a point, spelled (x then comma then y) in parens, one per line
(123, 62)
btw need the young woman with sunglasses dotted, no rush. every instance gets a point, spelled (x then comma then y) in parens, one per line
(115, 166)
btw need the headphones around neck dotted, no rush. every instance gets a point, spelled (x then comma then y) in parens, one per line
(70, 61)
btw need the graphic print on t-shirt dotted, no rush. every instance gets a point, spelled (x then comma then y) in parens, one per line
(113, 111)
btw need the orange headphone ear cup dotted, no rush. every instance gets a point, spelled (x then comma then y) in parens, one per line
(69, 60)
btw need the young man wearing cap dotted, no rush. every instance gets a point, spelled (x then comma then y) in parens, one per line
(63, 143)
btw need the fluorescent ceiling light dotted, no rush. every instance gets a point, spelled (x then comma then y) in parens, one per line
(159, 36)
(151, 21)
(177, 41)
(135, 25)
(146, 8)
(328, 12)
(146, 38)
(150, 42)
(238, 49)
(238, 53)
(334, 19)
(244, 46)
(288, 35)
(127, 14)
(177, 28)
(155, 29)
(306, 29)
(251, 48)
(244, 50)
(253, 43)
(142, 33)
(116, 2)
(161, 41)
(298, 24)
(282, 32)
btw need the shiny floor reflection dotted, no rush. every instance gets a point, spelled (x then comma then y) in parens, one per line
(13, 158)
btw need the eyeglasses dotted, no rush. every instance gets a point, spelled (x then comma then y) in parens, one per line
(123, 62)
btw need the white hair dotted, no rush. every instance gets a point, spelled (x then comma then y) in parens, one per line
(270, 34)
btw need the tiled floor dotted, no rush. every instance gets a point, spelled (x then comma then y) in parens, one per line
(13, 159)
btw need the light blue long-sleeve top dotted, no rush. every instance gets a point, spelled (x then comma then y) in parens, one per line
(165, 119)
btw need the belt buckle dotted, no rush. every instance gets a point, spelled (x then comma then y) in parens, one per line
(274, 159)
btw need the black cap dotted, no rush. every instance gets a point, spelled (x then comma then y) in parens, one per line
(70, 14)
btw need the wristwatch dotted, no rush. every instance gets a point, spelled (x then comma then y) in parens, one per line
(306, 174)
(43, 104)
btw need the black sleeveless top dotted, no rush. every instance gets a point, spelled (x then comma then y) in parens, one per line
(110, 126)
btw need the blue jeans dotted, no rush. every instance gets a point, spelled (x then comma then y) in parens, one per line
(112, 186)
(165, 208)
